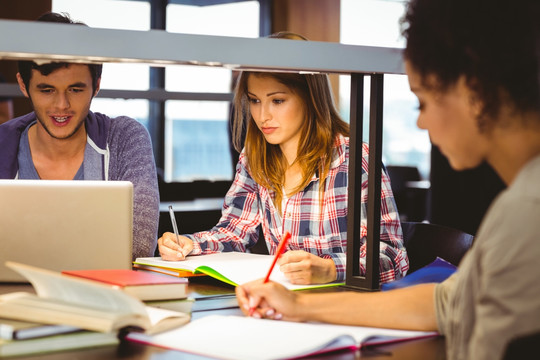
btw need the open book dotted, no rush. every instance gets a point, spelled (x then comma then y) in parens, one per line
(68, 300)
(239, 337)
(234, 268)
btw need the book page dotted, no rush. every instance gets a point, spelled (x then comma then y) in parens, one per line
(231, 267)
(164, 319)
(29, 307)
(82, 292)
(243, 338)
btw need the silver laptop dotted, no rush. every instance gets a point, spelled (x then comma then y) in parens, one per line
(65, 225)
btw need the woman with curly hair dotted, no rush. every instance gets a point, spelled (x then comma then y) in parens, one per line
(474, 67)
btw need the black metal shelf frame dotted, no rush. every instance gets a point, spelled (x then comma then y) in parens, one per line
(85, 45)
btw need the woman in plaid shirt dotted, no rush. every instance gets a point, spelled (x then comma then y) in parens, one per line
(292, 176)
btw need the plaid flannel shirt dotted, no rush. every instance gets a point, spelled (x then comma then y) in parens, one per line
(318, 228)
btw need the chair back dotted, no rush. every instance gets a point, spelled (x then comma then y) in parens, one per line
(522, 347)
(425, 242)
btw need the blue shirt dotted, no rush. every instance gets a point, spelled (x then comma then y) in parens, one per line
(27, 170)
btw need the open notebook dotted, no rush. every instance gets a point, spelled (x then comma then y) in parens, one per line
(238, 337)
(234, 268)
(65, 225)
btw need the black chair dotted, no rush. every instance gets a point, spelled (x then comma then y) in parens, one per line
(523, 347)
(410, 193)
(425, 242)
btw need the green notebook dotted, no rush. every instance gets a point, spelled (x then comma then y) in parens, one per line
(233, 268)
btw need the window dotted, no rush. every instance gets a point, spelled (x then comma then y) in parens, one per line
(197, 145)
(190, 153)
(376, 23)
(103, 14)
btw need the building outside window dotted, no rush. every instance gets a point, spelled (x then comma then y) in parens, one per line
(196, 143)
(196, 132)
(376, 23)
(104, 14)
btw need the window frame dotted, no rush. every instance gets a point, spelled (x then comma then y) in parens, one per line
(181, 191)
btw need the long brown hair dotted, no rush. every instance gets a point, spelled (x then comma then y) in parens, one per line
(267, 164)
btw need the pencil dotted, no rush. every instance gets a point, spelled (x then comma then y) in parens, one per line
(279, 250)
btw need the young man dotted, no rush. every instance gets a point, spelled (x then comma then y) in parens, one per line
(474, 66)
(63, 140)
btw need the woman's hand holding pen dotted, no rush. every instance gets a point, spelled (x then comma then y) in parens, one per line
(268, 300)
(172, 248)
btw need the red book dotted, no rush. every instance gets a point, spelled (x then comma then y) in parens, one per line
(141, 284)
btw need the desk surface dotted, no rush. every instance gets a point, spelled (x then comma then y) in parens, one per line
(214, 297)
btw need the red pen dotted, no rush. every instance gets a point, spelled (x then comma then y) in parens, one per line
(281, 246)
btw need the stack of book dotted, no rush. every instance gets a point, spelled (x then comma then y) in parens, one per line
(143, 285)
(25, 338)
(154, 289)
(79, 309)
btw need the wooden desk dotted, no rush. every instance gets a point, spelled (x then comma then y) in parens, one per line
(215, 297)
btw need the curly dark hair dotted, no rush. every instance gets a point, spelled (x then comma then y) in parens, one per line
(494, 44)
(25, 67)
